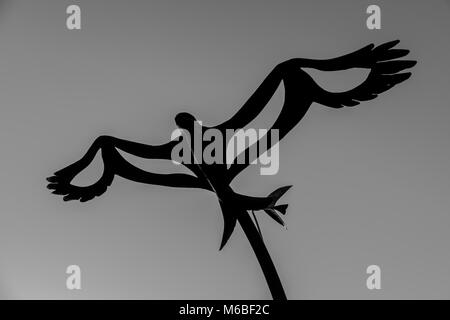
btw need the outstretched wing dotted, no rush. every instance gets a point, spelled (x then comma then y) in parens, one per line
(386, 72)
(301, 90)
(61, 184)
(115, 164)
(256, 103)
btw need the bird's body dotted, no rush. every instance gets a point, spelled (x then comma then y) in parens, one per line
(300, 92)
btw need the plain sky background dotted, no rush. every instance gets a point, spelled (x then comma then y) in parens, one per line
(371, 183)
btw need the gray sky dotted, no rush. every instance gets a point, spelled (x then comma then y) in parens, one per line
(371, 183)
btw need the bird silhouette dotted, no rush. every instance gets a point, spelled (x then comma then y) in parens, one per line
(300, 92)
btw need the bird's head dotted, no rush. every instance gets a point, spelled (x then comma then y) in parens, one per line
(185, 120)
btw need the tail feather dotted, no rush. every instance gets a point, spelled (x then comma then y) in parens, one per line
(274, 216)
(277, 194)
(281, 208)
(272, 209)
(231, 210)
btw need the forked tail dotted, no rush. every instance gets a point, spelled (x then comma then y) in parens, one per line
(239, 204)
(234, 211)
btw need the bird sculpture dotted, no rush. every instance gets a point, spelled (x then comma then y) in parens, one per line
(300, 93)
